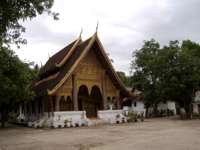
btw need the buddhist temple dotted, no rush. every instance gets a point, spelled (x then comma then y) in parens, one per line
(78, 79)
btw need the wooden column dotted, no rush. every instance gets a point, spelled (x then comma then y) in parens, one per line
(74, 92)
(30, 109)
(20, 109)
(24, 110)
(104, 90)
(48, 105)
(37, 108)
(43, 105)
(57, 103)
(40, 106)
(51, 105)
(118, 100)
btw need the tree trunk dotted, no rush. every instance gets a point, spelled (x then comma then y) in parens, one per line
(147, 112)
(188, 109)
(155, 110)
(3, 116)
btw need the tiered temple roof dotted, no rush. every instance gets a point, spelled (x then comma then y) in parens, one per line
(61, 66)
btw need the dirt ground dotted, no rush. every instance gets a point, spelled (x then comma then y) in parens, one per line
(153, 134)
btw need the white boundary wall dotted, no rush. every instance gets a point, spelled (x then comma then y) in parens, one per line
(112, 116)
(62, 119)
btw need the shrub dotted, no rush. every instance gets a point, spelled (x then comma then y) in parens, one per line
(132, 117)
(12, 117)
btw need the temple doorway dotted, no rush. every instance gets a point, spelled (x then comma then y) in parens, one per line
(90, 103)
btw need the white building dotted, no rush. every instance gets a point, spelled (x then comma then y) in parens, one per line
(196, 103)
(136, 104)
(169, 105)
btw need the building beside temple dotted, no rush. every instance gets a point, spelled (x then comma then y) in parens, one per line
(135, 102)
(76, 85)
(196, 103)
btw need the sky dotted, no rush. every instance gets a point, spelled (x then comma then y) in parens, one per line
(123, 27)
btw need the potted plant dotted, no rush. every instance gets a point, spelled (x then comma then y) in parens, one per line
(117, 118)
(67, 123)
(132, 117)
(110, 104)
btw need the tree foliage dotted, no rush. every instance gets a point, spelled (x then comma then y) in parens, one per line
(15, 75)
(14, 12)
(168, 73)
(125, 79)
(15, 81)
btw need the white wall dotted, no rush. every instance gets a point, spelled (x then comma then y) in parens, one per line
(139, 108)
(162, 106)
(196, 103)
(195, 108)
(168, 105)
(197, 96)
(171, 106)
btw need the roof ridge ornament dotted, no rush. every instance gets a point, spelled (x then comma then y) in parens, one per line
(81, 33)
(97, 26)
(41, 65)
(49, 56)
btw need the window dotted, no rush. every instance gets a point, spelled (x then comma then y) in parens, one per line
(135, 104)
(108, 98)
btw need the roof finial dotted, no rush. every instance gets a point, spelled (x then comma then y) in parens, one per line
(97, 26)
(41, 65)
(81, 32)
(49, 56)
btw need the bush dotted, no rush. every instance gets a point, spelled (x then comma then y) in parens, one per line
(132, 117)
(12, 117)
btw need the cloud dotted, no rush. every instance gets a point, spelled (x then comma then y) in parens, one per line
(123, 26)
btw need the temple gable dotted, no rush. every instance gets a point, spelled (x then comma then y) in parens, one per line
(90, 72)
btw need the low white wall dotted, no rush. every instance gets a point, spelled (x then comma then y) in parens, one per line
(77, 118)
(112, 116)
(73, 118)
(69, 115)
(61, 119)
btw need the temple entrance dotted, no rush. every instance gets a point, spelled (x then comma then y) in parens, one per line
(66, 104)
(90, 103)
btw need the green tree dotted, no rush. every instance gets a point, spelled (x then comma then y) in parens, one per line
(14, 12)
(15, 75)
(125, 79)
(15, 81)
(145, 66)
(181, 73)
(122, 76)
(168, 73)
